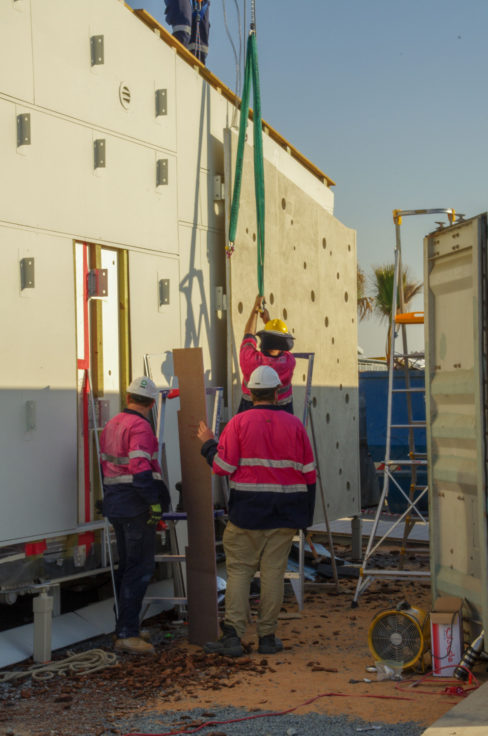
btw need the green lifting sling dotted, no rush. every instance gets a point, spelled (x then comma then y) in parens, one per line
(251, 75)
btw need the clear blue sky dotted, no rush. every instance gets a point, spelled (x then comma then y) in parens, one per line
(387, 97)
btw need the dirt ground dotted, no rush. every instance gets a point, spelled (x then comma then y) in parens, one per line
(321, 669)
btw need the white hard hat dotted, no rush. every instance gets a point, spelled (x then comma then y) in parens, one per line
(143, 386)
(264, 377)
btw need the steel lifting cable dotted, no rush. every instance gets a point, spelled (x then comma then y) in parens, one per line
(84, 663)
(251, 77)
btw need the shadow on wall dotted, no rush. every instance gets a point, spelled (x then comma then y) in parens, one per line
(192, 285)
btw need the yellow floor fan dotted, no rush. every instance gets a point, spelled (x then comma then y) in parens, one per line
(400, 635)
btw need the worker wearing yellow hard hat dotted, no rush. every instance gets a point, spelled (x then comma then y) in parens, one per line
(275, 345)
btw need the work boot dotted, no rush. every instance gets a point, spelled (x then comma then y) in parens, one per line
(270, 644)
(145, 635)
(133, 645)
(229, 644)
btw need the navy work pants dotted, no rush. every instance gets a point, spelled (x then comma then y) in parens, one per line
(189, 27)
(135, 545)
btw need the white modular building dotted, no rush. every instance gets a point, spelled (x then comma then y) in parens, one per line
(117, 152)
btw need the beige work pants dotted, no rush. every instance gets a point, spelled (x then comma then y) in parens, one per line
(246, 551)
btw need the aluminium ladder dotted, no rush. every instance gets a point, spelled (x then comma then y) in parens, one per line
(416, 460)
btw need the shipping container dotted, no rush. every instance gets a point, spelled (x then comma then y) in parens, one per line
(455, 269)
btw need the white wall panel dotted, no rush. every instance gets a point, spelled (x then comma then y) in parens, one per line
(16, 49)
(37, 364)
(155, 331)
(117, 204)
(66, 81)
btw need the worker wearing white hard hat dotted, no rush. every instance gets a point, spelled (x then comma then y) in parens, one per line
(135, 496)
(276, 343)
(269, 460)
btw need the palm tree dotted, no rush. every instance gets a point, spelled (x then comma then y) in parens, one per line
(382, 287)
(365, 303)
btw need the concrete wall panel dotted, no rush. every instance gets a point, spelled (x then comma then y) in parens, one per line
(310, 282)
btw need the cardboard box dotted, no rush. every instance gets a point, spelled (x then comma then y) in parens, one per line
(446, 635)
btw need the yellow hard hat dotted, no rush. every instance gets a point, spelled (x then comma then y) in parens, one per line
(276, 325)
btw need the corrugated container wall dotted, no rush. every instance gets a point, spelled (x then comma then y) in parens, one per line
(456, 390)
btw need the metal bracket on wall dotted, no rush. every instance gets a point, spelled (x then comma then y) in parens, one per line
(97, 50)
(220, 299)
(24, 129)
(97, 283)
(27, 274)
(161, 172)
(161, 99)
(163, 292)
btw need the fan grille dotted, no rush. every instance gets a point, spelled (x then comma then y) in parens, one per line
(396, 636)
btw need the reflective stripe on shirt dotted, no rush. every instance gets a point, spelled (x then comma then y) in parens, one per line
(185, 29)
(118, 479)
(139, 453)
(114, 459)
(268, 463)
(268, 488)
(127, 479)
(225, 466)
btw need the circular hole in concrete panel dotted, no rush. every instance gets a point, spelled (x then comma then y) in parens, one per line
(291, 222)
(338, 360)
(347, 398)
(240, 307)
(283, 203)
(348, 486)
(340, 471)
(285, 314)
(254, 237)
(352, 320)
(324, 243)
(271, 298)
(326, 321)
(247, 230)
(337, 445)
(333, 340)
(314, 401)
(312, 295)
(346, 296)
(294, 247)
(338, 275)
(304, 265)
(304, 377)
(330, 252)
(327, 418)
(293, 330)
(348, 247)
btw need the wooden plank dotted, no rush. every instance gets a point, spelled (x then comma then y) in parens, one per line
(201, 566)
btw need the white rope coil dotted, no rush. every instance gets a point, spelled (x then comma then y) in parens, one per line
(84, 663)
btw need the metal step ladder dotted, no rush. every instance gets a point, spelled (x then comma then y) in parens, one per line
(400, 363)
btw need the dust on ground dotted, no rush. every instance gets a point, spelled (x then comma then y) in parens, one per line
(321, 669)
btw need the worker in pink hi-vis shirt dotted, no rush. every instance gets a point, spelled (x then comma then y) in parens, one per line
(276, 343)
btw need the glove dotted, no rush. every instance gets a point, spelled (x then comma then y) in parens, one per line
(155, 514)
